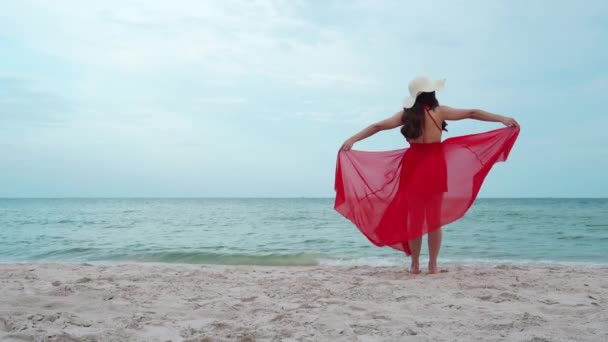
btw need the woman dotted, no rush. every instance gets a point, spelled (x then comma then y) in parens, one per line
(396, 197)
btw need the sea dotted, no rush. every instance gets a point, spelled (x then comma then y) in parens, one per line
(289, 231)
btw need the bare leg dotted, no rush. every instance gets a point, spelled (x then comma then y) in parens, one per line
(434, 246)
(415, 246)
(433, 218)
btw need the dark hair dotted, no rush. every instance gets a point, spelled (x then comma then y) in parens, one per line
(414, 117)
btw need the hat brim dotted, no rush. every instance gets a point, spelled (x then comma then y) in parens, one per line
(409, 102)
(433, 86)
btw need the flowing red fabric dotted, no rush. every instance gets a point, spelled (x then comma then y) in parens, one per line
(397, 196)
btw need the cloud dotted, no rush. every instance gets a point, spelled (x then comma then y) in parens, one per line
(21, 101)
(189, 82)
(355, 117)
(234, 38)
(333, 80)
(224, 100)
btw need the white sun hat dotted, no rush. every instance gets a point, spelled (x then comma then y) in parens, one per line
(421, 85)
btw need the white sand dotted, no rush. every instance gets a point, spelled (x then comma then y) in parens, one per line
(152, 302)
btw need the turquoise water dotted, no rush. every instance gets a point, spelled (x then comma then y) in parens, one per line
(288, 232)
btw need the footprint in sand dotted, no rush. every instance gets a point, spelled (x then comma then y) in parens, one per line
(538, 339)
(108, 296)
(501, 326)
(404, 298)
(279, 317)
(83, 280)
(311, 306)
(220, 325)
(62, 291)
(529, 319)
(503, 297)
(357, 308)
(410, 332)
(5, 325)
(36, 317)
(509, 296)
(452, 306)
(77, 321)
(423, 324)
(63, 337)
(379, 316)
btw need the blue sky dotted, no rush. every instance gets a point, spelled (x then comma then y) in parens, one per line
(253, 98)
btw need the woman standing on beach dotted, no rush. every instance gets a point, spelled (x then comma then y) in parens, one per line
(396, 197)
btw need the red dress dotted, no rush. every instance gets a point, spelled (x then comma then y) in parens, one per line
(397, 196)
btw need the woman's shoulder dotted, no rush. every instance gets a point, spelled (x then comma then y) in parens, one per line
(442, 111)
(439, 115)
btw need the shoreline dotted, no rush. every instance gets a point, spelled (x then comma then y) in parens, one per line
(339, 263)
(45, 301)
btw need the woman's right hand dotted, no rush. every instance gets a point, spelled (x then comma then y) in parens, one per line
(347, 145)
(509, 122)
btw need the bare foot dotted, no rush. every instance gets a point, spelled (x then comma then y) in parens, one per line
(434, 270)
(414, 268)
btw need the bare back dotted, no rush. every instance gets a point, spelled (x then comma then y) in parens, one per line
(431, 127)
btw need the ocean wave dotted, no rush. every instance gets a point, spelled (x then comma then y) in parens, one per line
(80, 254)
(402, 261)
(66, 253)
(274, 259)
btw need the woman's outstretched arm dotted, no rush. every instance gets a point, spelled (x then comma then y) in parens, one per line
(390, 123)
(449, 113)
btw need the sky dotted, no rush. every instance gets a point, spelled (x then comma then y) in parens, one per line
(191, 98)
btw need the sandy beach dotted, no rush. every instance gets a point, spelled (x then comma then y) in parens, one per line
(168, 302)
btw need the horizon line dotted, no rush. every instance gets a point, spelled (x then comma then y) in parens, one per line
(256, 197)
